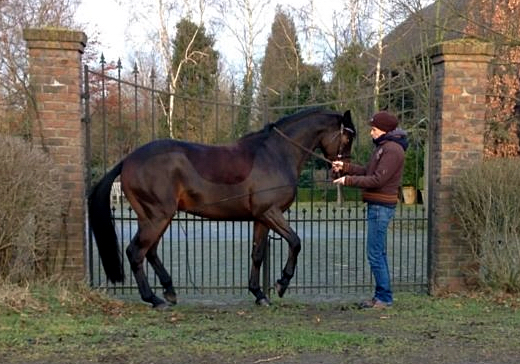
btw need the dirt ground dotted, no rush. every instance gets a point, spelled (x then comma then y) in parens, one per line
(405, 334)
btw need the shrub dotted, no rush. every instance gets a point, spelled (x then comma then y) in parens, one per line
(413, 165)
(487, 203)
(29, 211)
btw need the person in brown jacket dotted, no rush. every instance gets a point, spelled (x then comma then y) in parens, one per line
(379, 180)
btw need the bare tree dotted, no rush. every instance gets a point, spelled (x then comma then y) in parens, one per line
(379, 47)
(160, 18)
(332, 34)
(16, 15)
(245, 19)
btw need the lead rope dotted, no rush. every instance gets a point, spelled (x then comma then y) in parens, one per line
(310, 151)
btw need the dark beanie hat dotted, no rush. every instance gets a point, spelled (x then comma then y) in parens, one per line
(384, 121)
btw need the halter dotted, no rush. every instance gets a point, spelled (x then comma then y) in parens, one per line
(341, 144)
(340, 147)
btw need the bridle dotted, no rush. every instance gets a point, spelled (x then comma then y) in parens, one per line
(341, 145)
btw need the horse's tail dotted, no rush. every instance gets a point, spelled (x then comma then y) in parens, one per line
(100, 219)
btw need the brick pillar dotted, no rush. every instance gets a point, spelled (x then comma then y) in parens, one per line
(55, 80)
(458, 105)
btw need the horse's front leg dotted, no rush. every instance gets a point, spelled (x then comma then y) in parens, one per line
(275, 220)
(257, 255)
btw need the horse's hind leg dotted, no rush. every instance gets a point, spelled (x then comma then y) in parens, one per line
(257, 256)
(136, 253)
(145, 239)
(162, 273)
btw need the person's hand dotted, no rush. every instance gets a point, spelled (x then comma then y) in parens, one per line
(339, 181)
(337, 166)
(344, 181)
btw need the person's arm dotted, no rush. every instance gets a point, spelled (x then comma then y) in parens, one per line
(345, 167)
(386, 167)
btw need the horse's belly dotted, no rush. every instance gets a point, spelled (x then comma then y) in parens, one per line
(221, 212)
(226, 207)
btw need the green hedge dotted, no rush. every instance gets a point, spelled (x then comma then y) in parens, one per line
(306, 194)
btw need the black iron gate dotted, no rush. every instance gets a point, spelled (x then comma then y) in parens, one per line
(206, 257)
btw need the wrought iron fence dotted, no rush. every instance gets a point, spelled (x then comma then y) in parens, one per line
(206, 257)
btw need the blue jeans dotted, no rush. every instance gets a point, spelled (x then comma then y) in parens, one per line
(378, 220)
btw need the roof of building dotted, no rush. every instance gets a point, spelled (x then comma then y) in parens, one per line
(440, 21)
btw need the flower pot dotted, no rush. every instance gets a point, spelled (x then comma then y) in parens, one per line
(409, 195)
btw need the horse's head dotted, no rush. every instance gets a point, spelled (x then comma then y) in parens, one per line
(337, 143)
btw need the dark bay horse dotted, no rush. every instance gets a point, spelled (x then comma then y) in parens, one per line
(253, 179)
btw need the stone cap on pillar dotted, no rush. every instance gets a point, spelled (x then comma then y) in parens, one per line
(468, 47)
(55, 38)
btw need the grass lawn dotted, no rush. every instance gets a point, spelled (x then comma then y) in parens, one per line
(58, 323)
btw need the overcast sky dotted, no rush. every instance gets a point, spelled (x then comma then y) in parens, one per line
(111, 21)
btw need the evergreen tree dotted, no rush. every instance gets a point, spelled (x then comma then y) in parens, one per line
(286, 80)
(282, 65)
(348, 71)
(196, 62)
(242, 126)
(195, 57)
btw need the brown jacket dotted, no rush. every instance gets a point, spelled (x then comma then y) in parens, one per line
(381, 178)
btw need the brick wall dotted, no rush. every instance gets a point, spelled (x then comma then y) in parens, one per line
(55, 80)
(458, 105)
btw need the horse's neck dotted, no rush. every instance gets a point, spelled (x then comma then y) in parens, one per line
(302, 139)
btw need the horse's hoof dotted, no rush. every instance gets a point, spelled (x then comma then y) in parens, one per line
(280, 288)
(170, 297)
(263, 302)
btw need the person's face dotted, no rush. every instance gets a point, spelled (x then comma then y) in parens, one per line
(375, 132)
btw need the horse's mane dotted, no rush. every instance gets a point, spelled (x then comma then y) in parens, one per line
(258, 137)
(289, 119)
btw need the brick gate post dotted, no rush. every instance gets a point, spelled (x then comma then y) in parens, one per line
(55, 80)
(457, 111)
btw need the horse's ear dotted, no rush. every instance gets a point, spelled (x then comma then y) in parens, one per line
(348, 123)
(347, 118)
(268, 127)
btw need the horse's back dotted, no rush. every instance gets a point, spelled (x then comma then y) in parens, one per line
(221, 164)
